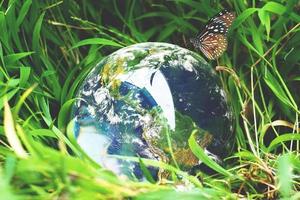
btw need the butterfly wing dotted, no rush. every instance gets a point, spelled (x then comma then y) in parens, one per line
(212, 40)
(227, 18)
(213, 45)
(216, 27)
(224, 16)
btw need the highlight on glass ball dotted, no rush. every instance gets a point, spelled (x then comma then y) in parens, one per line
(144, 101)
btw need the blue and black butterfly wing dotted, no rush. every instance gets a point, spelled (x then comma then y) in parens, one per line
(216, 27)
(225, 17)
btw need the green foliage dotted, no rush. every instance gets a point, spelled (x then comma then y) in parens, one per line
(48, 47)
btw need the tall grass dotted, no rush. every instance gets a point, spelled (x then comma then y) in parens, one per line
(48, 47)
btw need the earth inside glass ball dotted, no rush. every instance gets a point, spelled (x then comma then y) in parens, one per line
(144, 101)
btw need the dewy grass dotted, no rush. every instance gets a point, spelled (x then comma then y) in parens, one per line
(48, 47)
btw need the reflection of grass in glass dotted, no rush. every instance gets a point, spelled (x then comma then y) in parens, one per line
(45, 43)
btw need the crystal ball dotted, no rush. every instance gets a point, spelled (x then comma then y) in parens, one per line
(144, 101)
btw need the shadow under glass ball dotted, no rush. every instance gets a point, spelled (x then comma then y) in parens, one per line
(144, 101)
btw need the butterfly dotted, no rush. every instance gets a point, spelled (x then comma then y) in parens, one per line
(212, 41)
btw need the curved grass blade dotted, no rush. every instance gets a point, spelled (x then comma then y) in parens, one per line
(10, 132)
(64, 114)
(201, 155)
(98, 41)
(37, 33)
(145, 171)
(283, 138)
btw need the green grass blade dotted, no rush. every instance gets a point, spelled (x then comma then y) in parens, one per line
(285, 175)
(37, 33)
(10, 132)
(201, 155)
(98, 41)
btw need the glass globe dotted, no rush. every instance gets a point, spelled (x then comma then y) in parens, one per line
(144, 101)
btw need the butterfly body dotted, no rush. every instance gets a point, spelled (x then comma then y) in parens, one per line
(212, 41)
